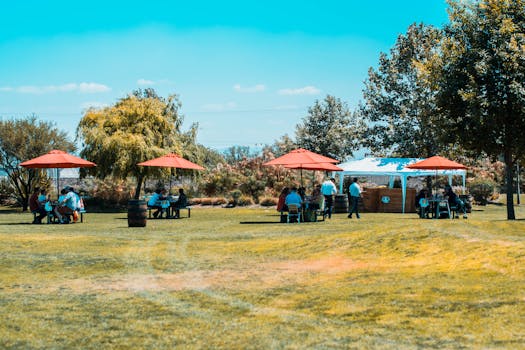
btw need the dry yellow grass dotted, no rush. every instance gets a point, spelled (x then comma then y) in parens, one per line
(232, 279)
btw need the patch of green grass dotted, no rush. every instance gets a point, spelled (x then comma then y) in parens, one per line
(235, 278)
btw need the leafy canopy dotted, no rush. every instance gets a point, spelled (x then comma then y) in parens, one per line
(24, 139)
(329, 129)
(139, 127)
(480, 77)
(398, 106)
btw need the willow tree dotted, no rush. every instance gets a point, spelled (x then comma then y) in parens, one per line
(481, 81)
(139, 127)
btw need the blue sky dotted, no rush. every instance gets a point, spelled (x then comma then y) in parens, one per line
(246, 71)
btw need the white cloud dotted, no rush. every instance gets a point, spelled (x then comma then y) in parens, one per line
(307, 90)
(249, 89)
(84, 88)
(93, 104)
(145, 82)
(219, 107)
(90, 88)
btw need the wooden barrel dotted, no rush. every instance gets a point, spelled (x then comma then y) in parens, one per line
(137, 213)
(341, 203)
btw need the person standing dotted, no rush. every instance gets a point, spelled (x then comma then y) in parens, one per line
(328, 190)
(355, 193)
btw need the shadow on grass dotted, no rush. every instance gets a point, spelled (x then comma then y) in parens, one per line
(259, 222)
(21, 223)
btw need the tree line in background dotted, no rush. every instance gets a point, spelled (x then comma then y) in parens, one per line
(457, 91)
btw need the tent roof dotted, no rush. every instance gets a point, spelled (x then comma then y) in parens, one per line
(389, 167)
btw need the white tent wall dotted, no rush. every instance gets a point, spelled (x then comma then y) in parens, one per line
(392, 167)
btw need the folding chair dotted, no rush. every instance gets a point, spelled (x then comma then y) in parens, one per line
(294, 211)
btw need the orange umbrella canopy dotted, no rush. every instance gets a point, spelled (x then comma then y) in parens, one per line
(318, 166)
(171, 161)
(57, 159)
(436, 163)
(301, 157)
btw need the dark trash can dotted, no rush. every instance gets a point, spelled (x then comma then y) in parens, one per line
(341, 203)
(137, 213)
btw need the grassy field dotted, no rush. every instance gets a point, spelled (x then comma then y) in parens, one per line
(236, 279)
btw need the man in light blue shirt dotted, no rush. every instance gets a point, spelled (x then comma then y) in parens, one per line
(355, 193)
(293, 198)
(328, 190)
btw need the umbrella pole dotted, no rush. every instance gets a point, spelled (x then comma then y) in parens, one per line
(57, 181)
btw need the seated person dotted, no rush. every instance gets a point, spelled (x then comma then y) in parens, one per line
(37, 207)
(316, 199)
(454, 201)
(154, 201)
(282, 197)
(79, 203)
(181, 202)
(302, 192)
(67, 204)
(293, 198)
(43, 197)
(422, 205)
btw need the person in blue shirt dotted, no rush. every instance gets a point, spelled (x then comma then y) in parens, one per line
(67, 204)
(328, 190)
(355, 193)
(155, 199)
(293, 198)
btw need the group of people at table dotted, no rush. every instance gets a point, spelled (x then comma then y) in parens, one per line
(164, 203)
(321, 199)
(428, 205)
(65, 210)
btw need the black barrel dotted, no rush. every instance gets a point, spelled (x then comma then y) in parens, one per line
(137, 213)
(341, 203)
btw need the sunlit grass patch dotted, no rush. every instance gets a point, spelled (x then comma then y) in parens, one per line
(235, 278)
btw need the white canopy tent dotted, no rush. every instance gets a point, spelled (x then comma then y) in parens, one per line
(392, 167)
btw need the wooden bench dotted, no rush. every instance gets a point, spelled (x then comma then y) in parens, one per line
(173, 210)
(177, 210)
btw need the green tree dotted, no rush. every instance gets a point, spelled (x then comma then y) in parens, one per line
(329, 129)
(139, 127)
(280, 147)
(398, 105)
(481, 81)
(24, 139)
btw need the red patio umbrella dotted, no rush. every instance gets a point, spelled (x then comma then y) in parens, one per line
(436, 163)
(319, 166)
(301, 156)
(171, 161)
(304, 159)
(57, 159)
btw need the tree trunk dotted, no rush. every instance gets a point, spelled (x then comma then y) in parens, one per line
(509, 184)
(140, 178)
(25, 205)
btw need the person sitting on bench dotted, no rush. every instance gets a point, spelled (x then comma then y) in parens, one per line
(155, 199)
(37, 207)
(454, 202)
(181, 202)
